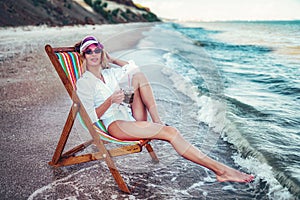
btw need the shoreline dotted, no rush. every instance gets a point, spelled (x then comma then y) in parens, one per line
(34, 104)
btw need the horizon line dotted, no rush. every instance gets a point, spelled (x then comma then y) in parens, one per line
(231, 20)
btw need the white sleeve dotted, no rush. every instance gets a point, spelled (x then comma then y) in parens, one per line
(85, 93)
(122, 73)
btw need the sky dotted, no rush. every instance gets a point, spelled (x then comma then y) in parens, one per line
(211, 10)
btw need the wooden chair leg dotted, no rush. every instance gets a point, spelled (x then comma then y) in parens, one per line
(151, 152)
(116, 174)
(65, 135)
(76, 149)
(119, 180)
(109, 161)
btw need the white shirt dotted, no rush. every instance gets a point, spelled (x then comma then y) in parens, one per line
(93, 92)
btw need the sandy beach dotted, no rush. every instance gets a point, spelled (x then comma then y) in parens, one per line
(34, 106)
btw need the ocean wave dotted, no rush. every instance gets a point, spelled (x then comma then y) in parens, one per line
(285, 89)
(246, 110)
(267, 79)
(230, 47)
(190, 28)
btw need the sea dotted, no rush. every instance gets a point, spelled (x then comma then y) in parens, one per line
(244, 80)
(233, 90)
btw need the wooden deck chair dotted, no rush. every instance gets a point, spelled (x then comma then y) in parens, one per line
(68, 66)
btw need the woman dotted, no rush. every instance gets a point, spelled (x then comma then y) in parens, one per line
(99, 91)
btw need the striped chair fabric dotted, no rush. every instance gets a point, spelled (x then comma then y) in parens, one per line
(72, 66)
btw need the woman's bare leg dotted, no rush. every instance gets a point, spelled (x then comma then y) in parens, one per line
(143, 99)
(141, 129)
(139, 110)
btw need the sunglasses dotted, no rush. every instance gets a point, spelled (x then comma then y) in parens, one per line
(96, 51)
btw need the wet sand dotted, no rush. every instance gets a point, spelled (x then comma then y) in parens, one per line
(34, 105)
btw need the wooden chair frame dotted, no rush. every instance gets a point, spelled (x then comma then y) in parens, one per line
(69, 158)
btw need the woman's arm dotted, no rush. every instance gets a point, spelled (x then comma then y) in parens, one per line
(119, 62)
(103, 107)
(115, 61)
(117, 97)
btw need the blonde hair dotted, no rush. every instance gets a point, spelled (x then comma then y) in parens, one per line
(104, 60)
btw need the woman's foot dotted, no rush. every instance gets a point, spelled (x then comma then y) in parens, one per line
(232, 175)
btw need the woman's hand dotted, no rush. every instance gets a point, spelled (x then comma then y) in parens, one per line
(117, 97)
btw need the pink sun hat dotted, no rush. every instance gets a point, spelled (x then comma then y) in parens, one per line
(87, 41)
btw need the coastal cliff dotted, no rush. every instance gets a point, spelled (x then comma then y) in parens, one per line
(72, 12)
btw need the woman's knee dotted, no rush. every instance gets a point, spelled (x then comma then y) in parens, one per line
(139, 77)
(171, 133)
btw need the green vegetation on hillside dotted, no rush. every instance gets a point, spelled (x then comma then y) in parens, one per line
(121, 16)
